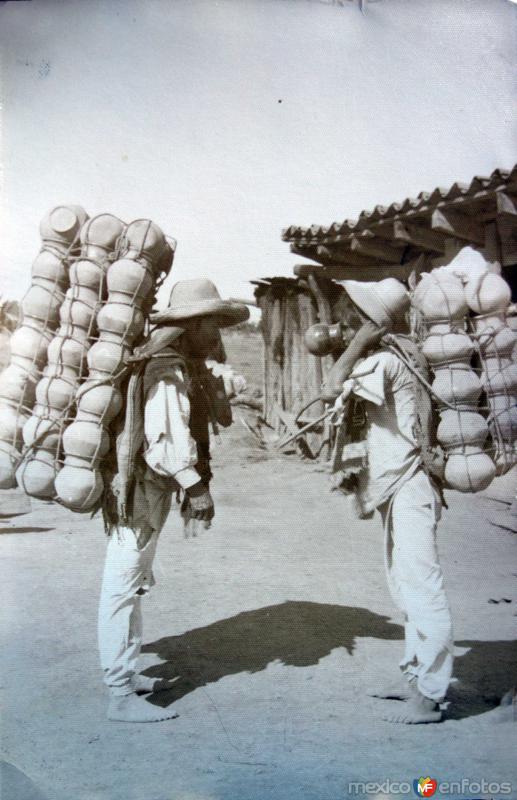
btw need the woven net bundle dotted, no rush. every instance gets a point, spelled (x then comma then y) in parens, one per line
(59, 231)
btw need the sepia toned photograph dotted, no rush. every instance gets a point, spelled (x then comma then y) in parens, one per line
(258, 399)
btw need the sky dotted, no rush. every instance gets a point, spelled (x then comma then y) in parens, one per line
(225, 121)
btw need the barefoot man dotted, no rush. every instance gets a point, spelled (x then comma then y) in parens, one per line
(398, 482)
(162, 447)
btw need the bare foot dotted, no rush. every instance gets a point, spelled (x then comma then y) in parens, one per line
(132, 708)
(143, 684)
(403, 690)
(417, 711)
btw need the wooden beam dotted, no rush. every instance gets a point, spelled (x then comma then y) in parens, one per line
(458, 226)
(416, 235)
(506, 207)
(340, 255)
(342, 272)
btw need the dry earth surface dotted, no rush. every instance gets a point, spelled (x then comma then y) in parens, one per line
(275, 623)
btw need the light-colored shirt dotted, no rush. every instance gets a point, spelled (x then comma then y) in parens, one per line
(170, 448)
(393, 451)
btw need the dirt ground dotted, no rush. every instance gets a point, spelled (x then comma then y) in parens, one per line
(275, 622)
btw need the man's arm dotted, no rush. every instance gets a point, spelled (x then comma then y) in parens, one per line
(171, 449)
(368, 336)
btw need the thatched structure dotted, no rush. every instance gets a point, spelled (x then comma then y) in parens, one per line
(413, 236)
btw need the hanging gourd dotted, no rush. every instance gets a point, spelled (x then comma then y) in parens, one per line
(40, 307)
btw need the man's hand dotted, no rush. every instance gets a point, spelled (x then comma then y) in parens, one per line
(202, 507)
(369, 335)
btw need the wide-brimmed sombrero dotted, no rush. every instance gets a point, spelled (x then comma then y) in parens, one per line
(197, 298)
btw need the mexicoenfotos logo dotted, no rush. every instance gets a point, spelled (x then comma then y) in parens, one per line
(425, 787)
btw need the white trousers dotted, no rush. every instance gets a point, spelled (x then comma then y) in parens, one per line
(415, 580)
(127, 576)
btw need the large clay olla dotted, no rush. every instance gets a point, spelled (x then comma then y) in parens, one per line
(43, 305)
(457, 386)
(440, 297)
(123, 320)
(16, 387)
(457, 428)
(87, 274)
(62, 224)
(9, 458)
(102, 231)
(145, 238)
(11, 425)
(57, 393)
(444, 345)
(488, 294)
(128, 281)
(469, 471)
(36, 474)
(86, 440)
(79, 489)
(51, 269)
(500, 341)
(503, 417)
(79, 307)
(30, 344)
(499, 377)
(107, 358)
(97, 403)
(43, 433)
(63, 351)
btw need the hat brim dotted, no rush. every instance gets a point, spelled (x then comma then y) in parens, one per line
(362, 296)
(227, 313)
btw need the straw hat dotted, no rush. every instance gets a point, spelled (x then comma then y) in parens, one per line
(198, 298)
(384, 302)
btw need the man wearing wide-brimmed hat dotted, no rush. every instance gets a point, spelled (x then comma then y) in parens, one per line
(162, 448)
(399, 481)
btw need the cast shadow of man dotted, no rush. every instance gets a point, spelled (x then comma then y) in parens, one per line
(295, 633)
(486, 672)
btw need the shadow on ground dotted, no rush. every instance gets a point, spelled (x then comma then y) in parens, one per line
(295, 633)
(32, 529)
(484, 675)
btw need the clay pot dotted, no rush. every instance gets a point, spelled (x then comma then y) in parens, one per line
(45, 431)
(499, 376)
(11, 425)
(36, 475)
(501, 342)
(488, 294)
(30, 345)
(457, 385)
(98, 403)
(128, 282)
(106, 358)
(123, 321)
(9, 459)
(87, 274)
(440, 297)
(459, 428)
(55, 392)
(101, 232)
(87, 441)
(49, 269)
(62, 224)
(43, 305)
(503, 417)
(66, 352)
(79, 489)
(79, 307)
(443, 345)
(145, 240)
(469, 471)
(16, 387)
(164, 262)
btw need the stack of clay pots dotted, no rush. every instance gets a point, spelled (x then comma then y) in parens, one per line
(462, 432)
(67, 351)
(59, 231)
(489, 297)
(131, 284)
